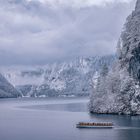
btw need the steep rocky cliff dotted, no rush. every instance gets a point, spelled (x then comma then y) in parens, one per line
(129, 47)
(118, 92)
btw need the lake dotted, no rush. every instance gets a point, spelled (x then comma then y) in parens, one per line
(56, 118)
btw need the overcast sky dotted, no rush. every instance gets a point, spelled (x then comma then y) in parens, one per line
(46, 31)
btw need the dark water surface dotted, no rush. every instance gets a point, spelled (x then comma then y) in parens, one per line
(55, 119)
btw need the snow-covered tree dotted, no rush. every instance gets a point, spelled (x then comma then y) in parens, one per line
(119, 90)
(99, 91)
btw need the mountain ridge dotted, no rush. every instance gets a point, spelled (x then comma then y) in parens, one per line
(59, 79)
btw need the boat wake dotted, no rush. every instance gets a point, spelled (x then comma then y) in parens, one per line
(127, 128)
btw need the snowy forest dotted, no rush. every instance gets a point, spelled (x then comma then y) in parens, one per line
(113, 85)
(69, 69)
(117, 91)
(53, 80)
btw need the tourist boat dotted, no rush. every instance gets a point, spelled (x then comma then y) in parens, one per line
(94, 125)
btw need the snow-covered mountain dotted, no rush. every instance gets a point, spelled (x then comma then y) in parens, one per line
(6, 89)
(129, 46)
(59, 79)
(118, 91)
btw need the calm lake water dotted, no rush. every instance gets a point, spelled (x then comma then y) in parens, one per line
(55, 119)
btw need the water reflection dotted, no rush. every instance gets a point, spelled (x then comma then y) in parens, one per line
(70, 107)
(55, 119)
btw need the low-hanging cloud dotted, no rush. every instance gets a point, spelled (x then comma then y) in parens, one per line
(38, 32)
(81, 3)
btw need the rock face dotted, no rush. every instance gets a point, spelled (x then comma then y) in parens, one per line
(60, 79)
(129, 48)
(118, 92)
(6, 89)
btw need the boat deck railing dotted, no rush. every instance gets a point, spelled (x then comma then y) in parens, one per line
(95, 124)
